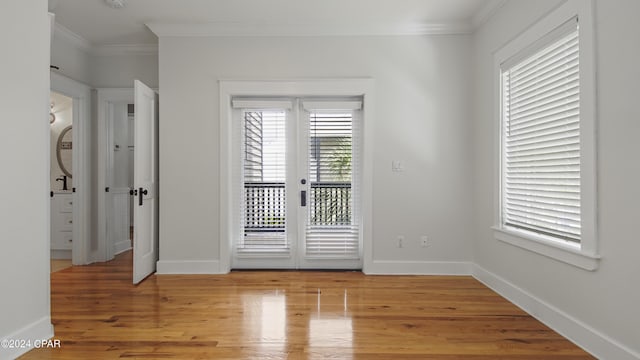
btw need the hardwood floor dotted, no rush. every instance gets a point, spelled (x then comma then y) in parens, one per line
(57, 264)
(99, 314)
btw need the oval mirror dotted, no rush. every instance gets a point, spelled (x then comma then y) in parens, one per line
(64, 149)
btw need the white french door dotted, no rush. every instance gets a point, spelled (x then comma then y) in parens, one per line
(296, 189)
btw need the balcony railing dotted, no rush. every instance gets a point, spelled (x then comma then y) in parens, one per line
(329, 205)
(265, 207)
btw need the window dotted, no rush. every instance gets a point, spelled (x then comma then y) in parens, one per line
(546, 127)
(541, 138)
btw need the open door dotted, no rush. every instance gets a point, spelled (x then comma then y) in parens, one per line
(145, 175)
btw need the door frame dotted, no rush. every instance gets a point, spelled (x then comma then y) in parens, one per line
(105, 96)
(296, 88)
(81, 162)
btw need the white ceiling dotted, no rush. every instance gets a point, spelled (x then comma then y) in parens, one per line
(101, 25)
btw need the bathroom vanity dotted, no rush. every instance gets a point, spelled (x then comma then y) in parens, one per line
(61, 224)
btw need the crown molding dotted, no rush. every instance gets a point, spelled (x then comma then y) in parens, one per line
(103, 50)
(452, 28)
(71, 37)
(230, 29)
(486, 12)
(125, 49)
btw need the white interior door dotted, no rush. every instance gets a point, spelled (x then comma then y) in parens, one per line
(145, 213)
(297, 184)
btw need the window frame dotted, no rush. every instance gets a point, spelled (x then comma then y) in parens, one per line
(585, 253)
(228, 89)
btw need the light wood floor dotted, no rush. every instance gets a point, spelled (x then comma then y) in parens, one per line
(58, 264)
(98, 314)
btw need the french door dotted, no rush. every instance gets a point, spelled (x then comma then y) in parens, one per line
(297, 183)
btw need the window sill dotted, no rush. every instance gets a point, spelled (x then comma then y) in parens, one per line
(565, 252)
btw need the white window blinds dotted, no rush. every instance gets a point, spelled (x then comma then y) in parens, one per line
(541, 136)
(264, 178)
(332, 225)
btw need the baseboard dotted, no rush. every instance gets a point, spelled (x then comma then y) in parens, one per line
(95, 256)
(121, 246)
(37, 331)
(390, 267)
(188, 267)
(591, 340)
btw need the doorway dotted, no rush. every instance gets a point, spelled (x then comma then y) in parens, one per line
(297, 199)
(61, 179)
(70, 132)
(115, 171)
(127, 170)
(231, 152)
(120, 178)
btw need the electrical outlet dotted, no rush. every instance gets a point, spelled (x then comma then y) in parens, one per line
(400, 240)
(424, 241)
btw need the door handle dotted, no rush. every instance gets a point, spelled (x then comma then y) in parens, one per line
(141, 193)
(303, 198)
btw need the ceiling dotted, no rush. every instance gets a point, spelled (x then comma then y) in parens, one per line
(101, 25)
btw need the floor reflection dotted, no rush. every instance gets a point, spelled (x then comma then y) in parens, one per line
(331, 326)
(328, 323)
(330, 332)
(265, 319)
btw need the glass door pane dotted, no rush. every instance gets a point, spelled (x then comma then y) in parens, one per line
(264, 175)
(331, 232)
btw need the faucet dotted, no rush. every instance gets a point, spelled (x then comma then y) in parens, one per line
(63, 178)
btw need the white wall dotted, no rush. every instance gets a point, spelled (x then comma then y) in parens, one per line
(24, 144)
(422, 92)
(113, 66)
(605, 301)
(71, 58)
(119, 71)
(99, 67)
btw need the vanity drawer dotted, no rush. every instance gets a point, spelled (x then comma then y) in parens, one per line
(63, 240)
(65, 204)
(66, 222)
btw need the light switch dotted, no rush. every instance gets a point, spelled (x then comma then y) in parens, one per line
(397, 165)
